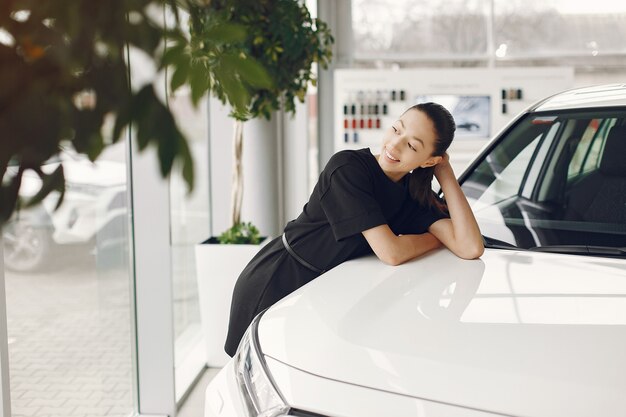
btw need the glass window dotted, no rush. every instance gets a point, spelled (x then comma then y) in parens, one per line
(575, 166)
(189, 214)
(499, 176)
(537, 28)
(587, 35)
(388, 27)
(551, 181)
(509, 178)
(68, 278)
(587, 155)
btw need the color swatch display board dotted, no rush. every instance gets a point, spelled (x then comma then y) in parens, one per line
(482, 100)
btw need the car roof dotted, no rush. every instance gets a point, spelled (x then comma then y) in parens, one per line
(609, 95)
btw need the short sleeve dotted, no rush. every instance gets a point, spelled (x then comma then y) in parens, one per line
(416, 218)
(428, 216)
(349, 203)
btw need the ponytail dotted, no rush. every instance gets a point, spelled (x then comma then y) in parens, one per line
(420, 179)
(420, 188)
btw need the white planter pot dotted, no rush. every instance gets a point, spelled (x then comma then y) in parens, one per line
(218, 267)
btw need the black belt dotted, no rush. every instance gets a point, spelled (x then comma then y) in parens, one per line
(298, 258)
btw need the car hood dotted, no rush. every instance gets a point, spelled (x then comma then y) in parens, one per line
(515, 332)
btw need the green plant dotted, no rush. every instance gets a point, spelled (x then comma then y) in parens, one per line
(241, 233)
(64, 71)
(284, 39)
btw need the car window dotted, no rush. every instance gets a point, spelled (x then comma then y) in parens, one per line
(587, 155)
(550, 180)
(500, 173)
(508, 178)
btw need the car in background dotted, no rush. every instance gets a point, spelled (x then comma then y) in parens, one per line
(93, 213)
(535, 327)
(467, 125)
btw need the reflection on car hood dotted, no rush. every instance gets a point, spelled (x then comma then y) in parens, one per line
(515, 332)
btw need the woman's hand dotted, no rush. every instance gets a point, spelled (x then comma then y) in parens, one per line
(443, 168)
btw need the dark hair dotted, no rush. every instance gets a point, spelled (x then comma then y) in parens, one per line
(420, 179)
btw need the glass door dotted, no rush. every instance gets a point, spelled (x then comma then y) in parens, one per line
(68, 282)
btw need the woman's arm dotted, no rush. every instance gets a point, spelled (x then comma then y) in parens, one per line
(396, 250)
(459, 233)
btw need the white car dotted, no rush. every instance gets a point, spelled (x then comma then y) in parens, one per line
(535, 327)
(94, 213)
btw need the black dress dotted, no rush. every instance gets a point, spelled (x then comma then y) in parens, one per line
(353, 194)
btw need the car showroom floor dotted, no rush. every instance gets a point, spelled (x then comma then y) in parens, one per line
(69, 340)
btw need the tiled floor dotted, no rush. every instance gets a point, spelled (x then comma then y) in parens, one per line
(69, 336)
(69, 342)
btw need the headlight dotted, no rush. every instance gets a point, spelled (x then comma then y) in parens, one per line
(257, 389)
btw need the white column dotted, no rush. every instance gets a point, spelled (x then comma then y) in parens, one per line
(295, 162)
(261, 197)
(153, 285)
(220, 161)
(5, 386)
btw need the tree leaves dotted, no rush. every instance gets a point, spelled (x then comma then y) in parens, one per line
(156, 125)
(8, 197)
(249, 70)
(233, 89)
(66, 72)
(241, 234)
(51, 182)
(225, 33)
(274, 61)
(213, 60)
(181, 73)
(199, 81)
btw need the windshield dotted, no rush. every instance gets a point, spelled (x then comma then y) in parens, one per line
(554, 179)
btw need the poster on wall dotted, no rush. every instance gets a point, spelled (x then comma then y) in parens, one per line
(472, 113)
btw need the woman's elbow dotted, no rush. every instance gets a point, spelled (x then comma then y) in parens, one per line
(391, 259)
(471, 252)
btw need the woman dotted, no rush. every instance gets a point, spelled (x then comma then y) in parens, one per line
(363, 203)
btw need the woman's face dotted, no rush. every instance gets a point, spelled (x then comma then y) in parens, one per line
(408, 144)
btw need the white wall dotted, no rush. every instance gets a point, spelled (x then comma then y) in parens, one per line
(586, 79)
(5, 391)
(295, 162)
